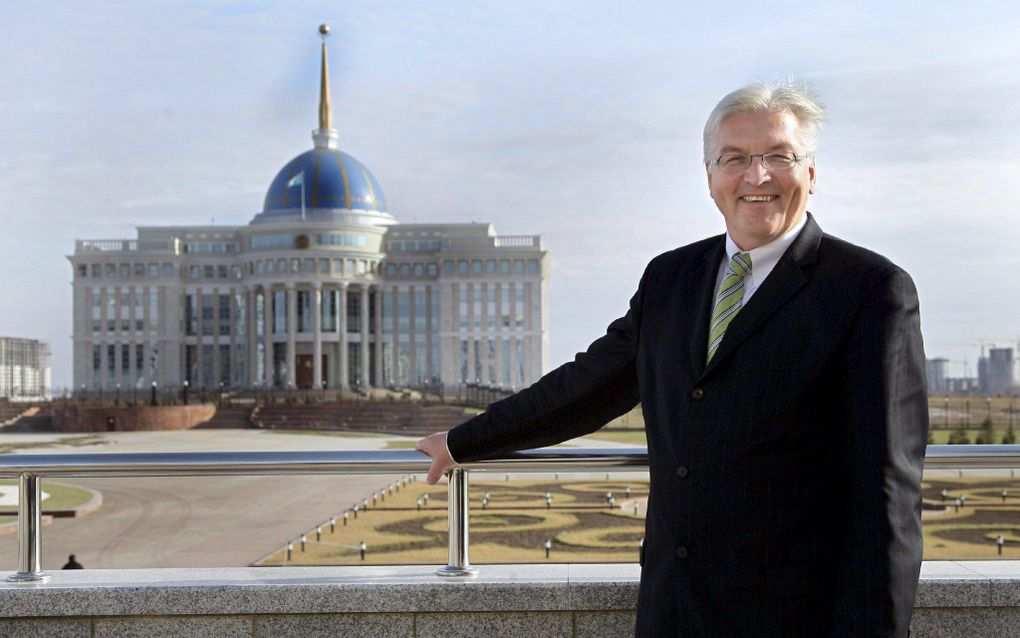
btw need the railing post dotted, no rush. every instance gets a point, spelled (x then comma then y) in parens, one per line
(29, 526)
(457, 508)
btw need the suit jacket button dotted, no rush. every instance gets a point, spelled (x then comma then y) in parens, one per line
(697, 394)
(681, 552)
(681, 472)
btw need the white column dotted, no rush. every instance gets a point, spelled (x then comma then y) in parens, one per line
(317, 334)
(365, 381)
(342, 329)
(267, 333)
(291, 334)
(378, 380)
(251, 338)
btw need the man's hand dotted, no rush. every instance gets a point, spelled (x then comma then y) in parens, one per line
(435, 446)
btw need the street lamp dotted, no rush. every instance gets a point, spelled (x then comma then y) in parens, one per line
(152, 398)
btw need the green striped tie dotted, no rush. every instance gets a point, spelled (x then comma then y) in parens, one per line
(729, 299)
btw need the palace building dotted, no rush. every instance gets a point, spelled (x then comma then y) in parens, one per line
(323, 287)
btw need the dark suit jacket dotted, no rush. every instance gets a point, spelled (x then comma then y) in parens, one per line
(785, 476)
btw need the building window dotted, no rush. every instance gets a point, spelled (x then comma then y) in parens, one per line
(518, 266)
(304, 311)
(280, 312)
(208, 313)
(391, 270)
(476, 266)
(295, 265)
(433, 270)
(95, 271)
(340, 239)
(309, 265)
(225, 365)
(490, 266)
(533, 268)
(97, 358)
(139, 359)
(208, 272)
(111, 271)
(168, 271)
(462, 267)
(221, 272)
(125, 271)
(419, 271)
(271, 241)
(139, 270)
(281, 266)
(111, 360)
(83, 270)
(504, 266)
(324, 266)
(224, 315)
(362, 266)
(153, 271)
(338, 266)
(448, 267)
(405, 271)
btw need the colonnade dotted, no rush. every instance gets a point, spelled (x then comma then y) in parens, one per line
(339, 374)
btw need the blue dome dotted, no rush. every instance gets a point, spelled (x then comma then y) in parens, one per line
(332, 179)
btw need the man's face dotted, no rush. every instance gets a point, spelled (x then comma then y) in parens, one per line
(778, 197)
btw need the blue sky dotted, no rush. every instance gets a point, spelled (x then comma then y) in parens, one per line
(577, 120)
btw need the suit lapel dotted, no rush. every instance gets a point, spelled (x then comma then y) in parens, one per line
(703, 303)
(784, 280)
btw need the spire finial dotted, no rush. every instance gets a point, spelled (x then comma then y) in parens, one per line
(325, 113)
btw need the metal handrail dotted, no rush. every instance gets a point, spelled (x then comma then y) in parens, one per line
(31, 468)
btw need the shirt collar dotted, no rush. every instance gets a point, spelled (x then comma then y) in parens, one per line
(764, 258)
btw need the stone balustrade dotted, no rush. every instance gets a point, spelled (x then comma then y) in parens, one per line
(972, 599)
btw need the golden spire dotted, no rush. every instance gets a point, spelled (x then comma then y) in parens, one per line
(325, 113)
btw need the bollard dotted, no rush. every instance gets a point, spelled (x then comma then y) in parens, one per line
(345, 519)
(485, 503)
(944, 493)
(548, 500)
(418, 503)
(363, 549)
(332, 525)
(1004, 494)
(425, 499)
(548, 547)
(1000, 541)
(303, 540)
(957, 505)
(458, 563)
(355, 511)
(318, 533)
(636, 508)
(290, 548)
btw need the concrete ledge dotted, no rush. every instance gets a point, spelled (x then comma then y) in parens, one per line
(968, 598)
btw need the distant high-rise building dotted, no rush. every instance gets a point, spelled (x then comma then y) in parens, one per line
(24, 369)
(995, 372)
(322, 287)
(936, 369)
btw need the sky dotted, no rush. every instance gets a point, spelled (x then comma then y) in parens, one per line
(576, 120)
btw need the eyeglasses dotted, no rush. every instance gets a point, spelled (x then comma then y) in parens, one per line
(738, 162)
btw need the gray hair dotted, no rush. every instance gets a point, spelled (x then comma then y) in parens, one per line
(771, 97)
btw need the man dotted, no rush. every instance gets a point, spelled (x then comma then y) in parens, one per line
(781, 375)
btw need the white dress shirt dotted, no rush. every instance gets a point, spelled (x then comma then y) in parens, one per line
(763, 260)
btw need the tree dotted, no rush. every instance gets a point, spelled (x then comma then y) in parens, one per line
(959, 437)
(987, 435)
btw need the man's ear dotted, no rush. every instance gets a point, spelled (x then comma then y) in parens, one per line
(811, 174)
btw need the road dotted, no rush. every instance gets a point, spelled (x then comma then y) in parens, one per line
(195, 522)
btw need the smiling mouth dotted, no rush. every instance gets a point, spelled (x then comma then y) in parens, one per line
(758, 198)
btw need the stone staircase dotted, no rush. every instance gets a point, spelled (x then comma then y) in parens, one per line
(229, 417)
(395, 417)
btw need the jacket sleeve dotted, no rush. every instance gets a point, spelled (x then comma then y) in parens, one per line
(574, 399)
(884, 421)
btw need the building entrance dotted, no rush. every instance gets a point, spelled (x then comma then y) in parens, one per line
(305, 372)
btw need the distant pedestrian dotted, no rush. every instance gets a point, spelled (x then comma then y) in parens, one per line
(72, 563)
